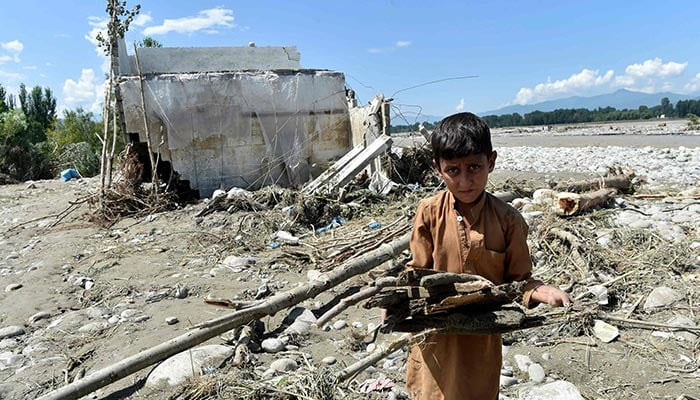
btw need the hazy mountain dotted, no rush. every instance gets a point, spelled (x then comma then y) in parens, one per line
(620, 99)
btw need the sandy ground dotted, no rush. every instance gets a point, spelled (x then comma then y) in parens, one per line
(140, 265)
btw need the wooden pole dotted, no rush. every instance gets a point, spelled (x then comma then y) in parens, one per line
(154, 172)
(621, 182)
(213, 328)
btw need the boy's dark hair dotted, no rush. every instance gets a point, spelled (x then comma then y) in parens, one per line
(460, 135)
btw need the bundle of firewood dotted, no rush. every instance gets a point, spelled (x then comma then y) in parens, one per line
(420, 299)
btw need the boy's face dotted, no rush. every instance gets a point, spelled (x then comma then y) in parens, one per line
(466, 177)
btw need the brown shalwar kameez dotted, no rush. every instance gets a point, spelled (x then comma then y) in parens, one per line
(487, 238)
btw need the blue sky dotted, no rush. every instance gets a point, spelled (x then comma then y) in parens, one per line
(522, 51)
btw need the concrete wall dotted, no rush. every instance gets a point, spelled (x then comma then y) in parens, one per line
(244, 129)
(177, 60)
(358, 116)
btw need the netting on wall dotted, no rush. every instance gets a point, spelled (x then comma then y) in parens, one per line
(245, 129)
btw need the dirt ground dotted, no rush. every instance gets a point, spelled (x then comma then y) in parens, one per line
(139, 267)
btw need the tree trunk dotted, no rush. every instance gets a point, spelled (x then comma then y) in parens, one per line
(568, 204)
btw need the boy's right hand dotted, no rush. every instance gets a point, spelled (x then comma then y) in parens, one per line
(551, 295)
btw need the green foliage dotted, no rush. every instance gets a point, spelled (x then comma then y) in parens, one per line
(39, 106)
(693, 122)
(76, 141)
(19, 157)
(120, 19)
(149, 42)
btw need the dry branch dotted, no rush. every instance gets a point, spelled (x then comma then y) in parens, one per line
(206, 331)
(621, 182)
(569, 204)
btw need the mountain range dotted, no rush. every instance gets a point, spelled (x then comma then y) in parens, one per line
(619, 99)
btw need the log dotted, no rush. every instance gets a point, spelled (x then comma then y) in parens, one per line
(446, 278)
(569, 204)
(213, 328)
(472, 323)
(621, 182)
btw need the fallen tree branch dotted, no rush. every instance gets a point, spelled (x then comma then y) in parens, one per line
(569, 204)
(647, 325)
(379, 354)
(213, 328)
(621, 182)
(354, 299)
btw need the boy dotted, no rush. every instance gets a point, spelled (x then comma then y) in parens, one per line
(467, 230)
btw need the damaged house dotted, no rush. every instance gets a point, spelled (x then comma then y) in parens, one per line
(238, 116)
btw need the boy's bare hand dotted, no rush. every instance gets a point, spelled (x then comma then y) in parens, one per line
(550, 295)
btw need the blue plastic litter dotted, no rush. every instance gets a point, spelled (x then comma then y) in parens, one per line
(335, 222)
(68, 174)
(274, 245)
(374, 225)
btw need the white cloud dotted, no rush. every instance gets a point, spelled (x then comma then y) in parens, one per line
(460, 106)
(12, 50)
(205, 20)
(397, 45)
(10, 76)
(82, 91)
(14, 46)
(693, 85)
(582, 81)
(87, 92)
(655, 68)
(30, 67)
(142, 19)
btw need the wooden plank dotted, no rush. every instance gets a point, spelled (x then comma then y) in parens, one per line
(357, 164)
(322, 179)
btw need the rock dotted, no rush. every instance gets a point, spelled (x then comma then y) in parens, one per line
(11, 360)
(93, 327)
(286, 237)
(358, 325)
(12, 287)
(236, 261)
(12, 256)
(544, 196)
(522, 361)
(114, 319)
(8, 344)
(218, 193)
(11, 331)
(35, 348)
(660, 297)
(536, 373)
(181, 292)
(681, 320)
(546, 356)
(519, 203)
(339, 324)
(291, 347)
(315, 275)
(84, 282)
(330, 360)
(178, 368)
(171, 320)
(389, 364)
(263, 291)
(600, 292)
(39, 316)
(284, 365)
(506, 372)
(557, 390)
(128, 313)
(299, 320)
(604, 331)
(95, 312)
(505, 381)
(371, 347)
(272, 345)
(141, 318)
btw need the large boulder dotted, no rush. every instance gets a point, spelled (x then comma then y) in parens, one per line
(178, 368)
(557, 390)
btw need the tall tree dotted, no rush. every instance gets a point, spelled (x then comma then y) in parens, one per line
(119, 20)
(3, 103)
(39, 107)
